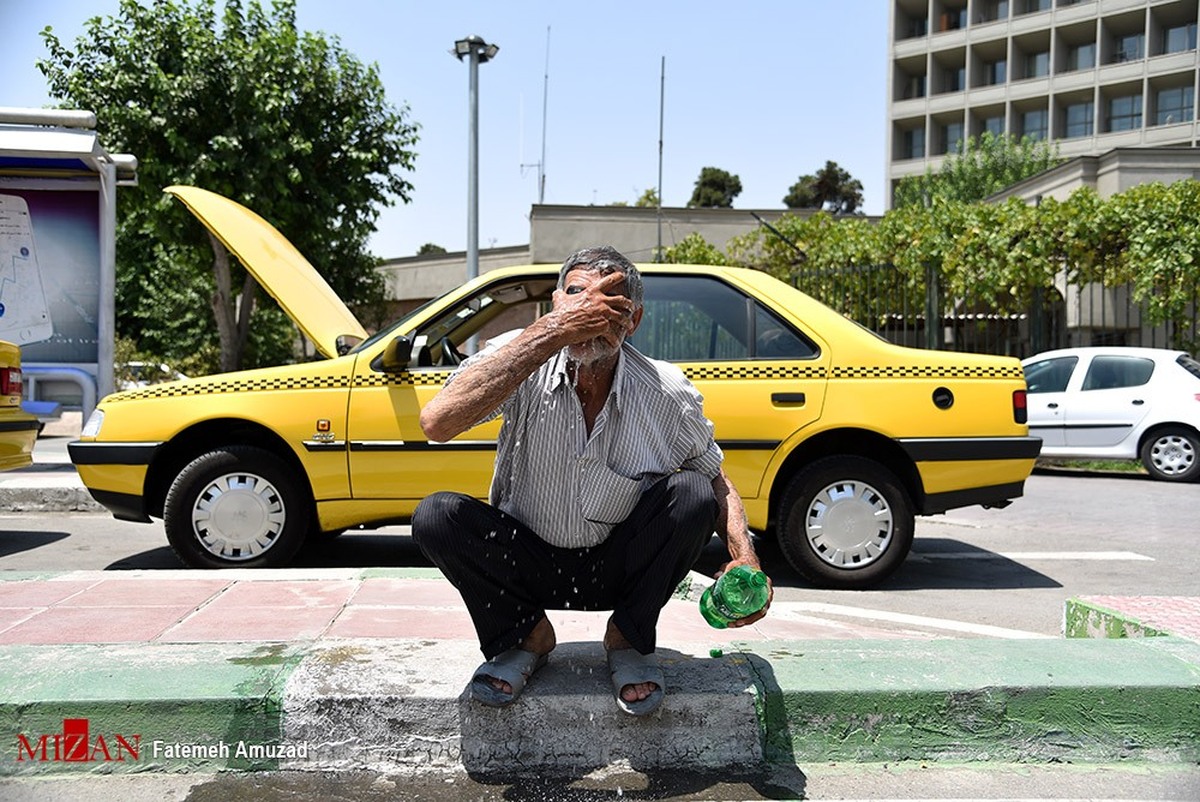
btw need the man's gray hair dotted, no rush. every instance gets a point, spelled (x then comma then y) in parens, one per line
(605, 259)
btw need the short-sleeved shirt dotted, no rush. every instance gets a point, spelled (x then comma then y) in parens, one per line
(572, 487)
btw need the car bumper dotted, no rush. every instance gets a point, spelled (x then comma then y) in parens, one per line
(963, 472)
(17, 437)
(115, 475)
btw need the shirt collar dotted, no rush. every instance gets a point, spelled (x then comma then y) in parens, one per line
(558, 376)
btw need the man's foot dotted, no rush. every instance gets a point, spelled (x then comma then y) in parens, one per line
(614, 641)
(541, 641)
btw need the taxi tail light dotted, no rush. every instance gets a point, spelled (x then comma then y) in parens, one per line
(1020, 410)
(10, 381)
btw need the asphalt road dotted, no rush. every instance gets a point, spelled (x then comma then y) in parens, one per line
(972, 572)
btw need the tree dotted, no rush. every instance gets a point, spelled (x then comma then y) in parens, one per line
(832, 189)
(648, 199)
(984, 167)
(430, 248)
(286, 122)
(715, 188)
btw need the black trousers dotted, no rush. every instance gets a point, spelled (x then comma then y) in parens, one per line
(509, 577)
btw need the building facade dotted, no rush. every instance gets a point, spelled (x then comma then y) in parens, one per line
(1091, 75)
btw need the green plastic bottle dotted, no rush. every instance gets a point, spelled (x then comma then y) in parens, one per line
(740, 592)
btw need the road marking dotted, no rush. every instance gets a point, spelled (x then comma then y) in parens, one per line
(904, 618)
(1033, 555)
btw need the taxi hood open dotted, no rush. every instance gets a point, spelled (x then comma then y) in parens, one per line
(279, 268)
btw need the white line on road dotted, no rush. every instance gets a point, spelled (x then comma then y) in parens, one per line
(904, 618)
(1032, 555)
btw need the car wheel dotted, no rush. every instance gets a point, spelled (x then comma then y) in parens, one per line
(1171, 454)
(846, 523)
(237, 506)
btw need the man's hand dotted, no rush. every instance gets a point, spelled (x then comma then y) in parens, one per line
(750, 619)
(591, 306)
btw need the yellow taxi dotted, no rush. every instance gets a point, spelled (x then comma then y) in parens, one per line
(834, 437)
(18, 429)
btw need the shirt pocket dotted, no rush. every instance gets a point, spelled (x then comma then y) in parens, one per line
(606, 496)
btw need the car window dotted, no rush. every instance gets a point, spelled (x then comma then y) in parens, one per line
(1050, 375)
(1190, 365)
(1112, 372)
(698, 318)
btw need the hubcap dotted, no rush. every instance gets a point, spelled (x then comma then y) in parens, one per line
(849, 524)
(238, 516)
(1172, 455)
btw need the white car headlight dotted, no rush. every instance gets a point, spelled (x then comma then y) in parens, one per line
(94, 422)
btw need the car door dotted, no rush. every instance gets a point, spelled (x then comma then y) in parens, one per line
(390, 457)
(1046, 396)
(1110, 402)
(761, 378)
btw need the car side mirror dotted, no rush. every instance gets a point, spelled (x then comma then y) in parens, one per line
(397, 355)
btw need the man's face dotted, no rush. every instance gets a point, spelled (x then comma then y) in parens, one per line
(605, 346)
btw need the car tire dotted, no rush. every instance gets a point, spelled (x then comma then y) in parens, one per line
(1172, 454)
(236, 507)
(846, 523)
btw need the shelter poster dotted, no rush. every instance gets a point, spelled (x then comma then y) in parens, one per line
(50, 273)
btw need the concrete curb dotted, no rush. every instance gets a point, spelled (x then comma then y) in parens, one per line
(400, 706)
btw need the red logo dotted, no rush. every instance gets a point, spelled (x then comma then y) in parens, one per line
(76, 744)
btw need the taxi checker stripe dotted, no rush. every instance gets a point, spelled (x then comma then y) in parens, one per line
(714, 373)
(239, 386)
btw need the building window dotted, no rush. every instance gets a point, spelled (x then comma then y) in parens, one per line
(995, 72)
(1129, 47)
(1081, 57)
(914, 86)
(1180, 38)
(953, 18)
(912, 144)
(1034, 6)
(993, 10)
(954, 79)
(916, 27)
(1035, 124)
(952, 136)
(994, 125)
(1125, 113)
(1037, 64)
(1079, 117)
(1174, 105)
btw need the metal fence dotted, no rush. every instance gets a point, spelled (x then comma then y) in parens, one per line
(915, 312)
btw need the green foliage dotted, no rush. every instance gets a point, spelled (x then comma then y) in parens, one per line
(694, 250)
(832, 189)
(430, 248)
(982, 168)
(242, 103)
(648, 199)
(715, 189)
(990, 257)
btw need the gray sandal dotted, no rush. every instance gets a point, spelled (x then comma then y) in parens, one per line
(631, 667)
(515, 667)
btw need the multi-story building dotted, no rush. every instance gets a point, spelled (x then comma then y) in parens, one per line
(1092, 76)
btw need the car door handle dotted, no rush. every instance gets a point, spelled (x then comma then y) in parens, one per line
(787, 398)
(1137, 402)
(1052, 405)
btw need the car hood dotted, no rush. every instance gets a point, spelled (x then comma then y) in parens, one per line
(281, 269)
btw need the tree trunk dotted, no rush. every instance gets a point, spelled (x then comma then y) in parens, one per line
(233, 324)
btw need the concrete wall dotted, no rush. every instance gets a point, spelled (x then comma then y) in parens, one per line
(1110, 173)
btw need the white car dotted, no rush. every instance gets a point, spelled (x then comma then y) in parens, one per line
(1118, 403)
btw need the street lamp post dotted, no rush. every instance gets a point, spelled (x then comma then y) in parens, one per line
(477, 52)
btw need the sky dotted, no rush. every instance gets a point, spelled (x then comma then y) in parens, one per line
(766, 89)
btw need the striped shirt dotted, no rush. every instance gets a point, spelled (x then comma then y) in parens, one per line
(571, 487)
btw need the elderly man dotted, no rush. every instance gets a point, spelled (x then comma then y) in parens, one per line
(607, 486)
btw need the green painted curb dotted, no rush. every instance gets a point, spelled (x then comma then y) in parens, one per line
(1084, 619)
(975, 700)
(206, 694)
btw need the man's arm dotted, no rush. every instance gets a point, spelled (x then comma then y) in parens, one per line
(484, 385)
(734, 530)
